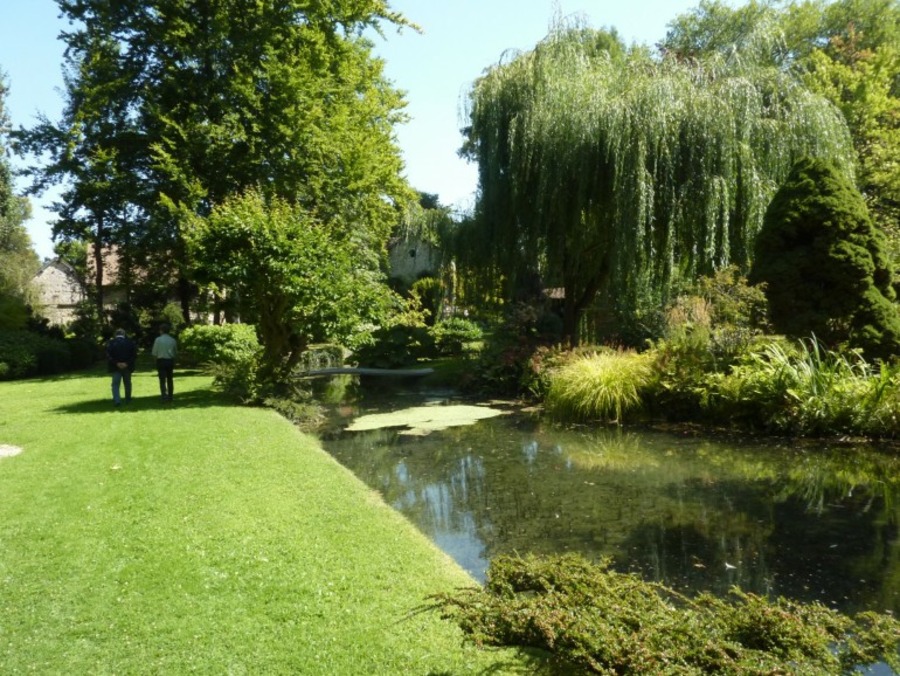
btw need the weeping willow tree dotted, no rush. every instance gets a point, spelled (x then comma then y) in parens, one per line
(604, 170)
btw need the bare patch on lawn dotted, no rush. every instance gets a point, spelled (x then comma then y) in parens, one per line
(7, 451)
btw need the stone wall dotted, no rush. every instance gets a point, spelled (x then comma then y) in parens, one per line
(411, 259)
(58, 291)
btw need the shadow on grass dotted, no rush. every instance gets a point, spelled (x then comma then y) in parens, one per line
(143, 403)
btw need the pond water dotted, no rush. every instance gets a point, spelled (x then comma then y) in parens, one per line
(809, 521)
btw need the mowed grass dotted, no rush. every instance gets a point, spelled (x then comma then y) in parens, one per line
(203, 537)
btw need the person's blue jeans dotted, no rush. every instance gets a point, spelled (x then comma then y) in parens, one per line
(120, 377)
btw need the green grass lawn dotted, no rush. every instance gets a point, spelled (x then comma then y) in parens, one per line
(198, 536)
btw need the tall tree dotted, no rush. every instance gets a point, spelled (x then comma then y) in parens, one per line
(18, 261)
(93, 150)
(845, 50)
(195, 100)
(623, 173)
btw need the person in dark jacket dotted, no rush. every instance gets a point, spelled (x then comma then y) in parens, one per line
(121, 357)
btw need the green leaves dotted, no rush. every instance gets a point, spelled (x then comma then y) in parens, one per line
(298, 279)
(824, 263)
(173, 106)
(605, 622)
(609, 171)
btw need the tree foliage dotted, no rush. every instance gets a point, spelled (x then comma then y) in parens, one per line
(174, 105)
(824, 264)
(18, 261)
(602, 170)
(846, 50)
(298, 279)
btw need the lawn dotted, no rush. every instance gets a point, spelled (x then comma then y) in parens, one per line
(198, 536)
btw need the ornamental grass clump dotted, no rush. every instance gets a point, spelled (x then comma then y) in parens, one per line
(605, 622)
(601, 386)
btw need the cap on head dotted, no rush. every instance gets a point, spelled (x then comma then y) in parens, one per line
(120, 332)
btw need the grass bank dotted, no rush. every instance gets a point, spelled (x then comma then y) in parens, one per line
(203, 537)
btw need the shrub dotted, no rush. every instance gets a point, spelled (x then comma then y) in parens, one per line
(84, 352)
(682, 363)
(53, 356)
(544, 362)
(172, 315)
(224, 344)
(605, 622)
(395, 347)
(825, 264)
(17, 356)
(428, 292)
(452, 336)
(239, 379)
(706, 333)
(805, 389)
(602, 386)
(24, 354)
(321, 356)
(503, 365)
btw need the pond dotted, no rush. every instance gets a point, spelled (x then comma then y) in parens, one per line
(810, 521)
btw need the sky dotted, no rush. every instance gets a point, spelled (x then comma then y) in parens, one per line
(435, 68)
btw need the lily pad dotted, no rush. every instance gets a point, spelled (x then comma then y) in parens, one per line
(424, 419)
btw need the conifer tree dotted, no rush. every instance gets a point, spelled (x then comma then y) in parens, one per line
(824, 263)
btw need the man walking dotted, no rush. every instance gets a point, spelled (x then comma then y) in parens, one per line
(121, 357)
(165, 349)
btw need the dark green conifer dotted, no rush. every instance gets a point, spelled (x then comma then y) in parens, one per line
(824, 263)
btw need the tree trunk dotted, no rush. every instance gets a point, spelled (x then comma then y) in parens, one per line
(98, 267)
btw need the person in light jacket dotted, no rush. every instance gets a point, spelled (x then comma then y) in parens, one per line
(165, 349)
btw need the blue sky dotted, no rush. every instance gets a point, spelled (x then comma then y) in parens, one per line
(459, 39)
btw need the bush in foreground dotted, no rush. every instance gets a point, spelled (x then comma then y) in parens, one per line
(611, 623)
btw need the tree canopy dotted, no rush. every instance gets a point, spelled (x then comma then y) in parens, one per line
(297, 278)
(602, 169)
(846, 50)
(18, 261)
(174, 105)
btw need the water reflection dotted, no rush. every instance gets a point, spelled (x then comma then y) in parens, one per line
(693, 513)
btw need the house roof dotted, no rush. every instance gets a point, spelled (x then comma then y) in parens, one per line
(59, 264)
